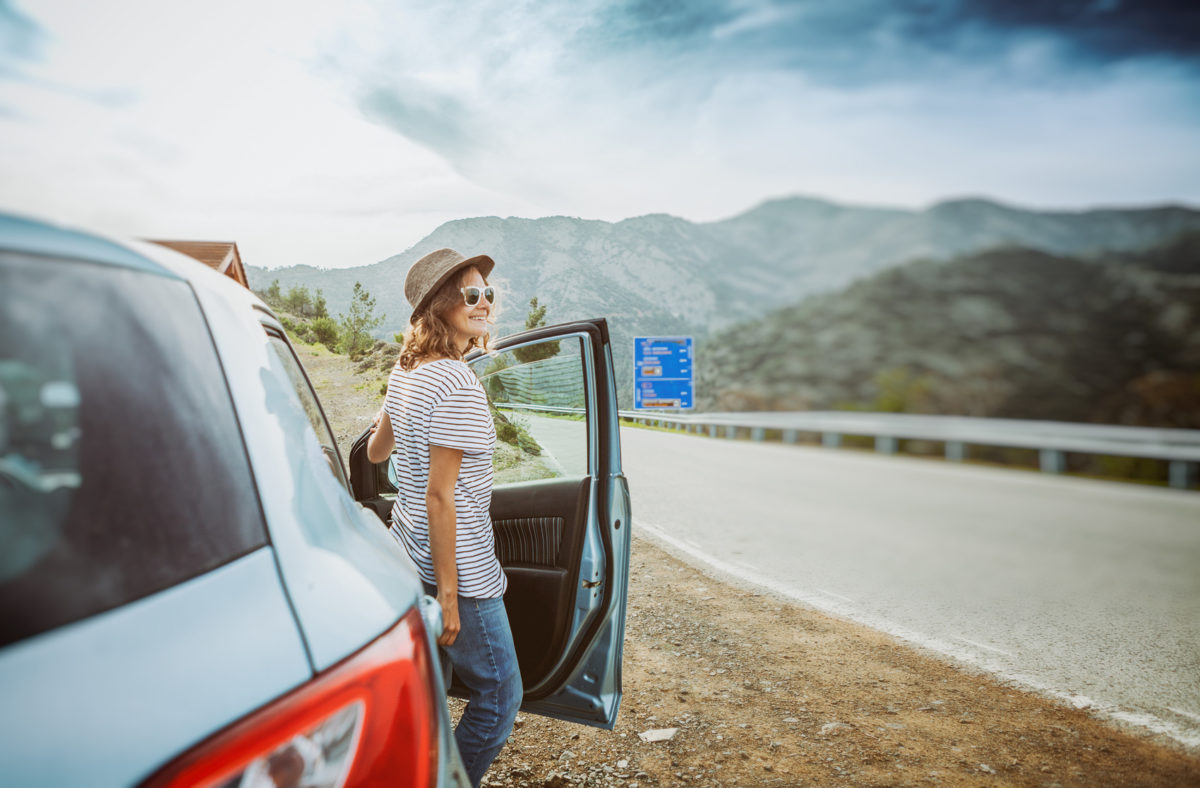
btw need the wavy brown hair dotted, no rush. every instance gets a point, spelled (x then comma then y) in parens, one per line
(429, 337)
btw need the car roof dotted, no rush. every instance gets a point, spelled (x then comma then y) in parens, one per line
(34, 236)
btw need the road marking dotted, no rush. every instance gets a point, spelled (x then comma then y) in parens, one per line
(835, 596)
(742, 564)
(1187, 736)
(693, 544)
(1193, 715)
(981, 645)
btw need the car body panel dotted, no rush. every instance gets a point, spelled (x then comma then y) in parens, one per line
(105, 700)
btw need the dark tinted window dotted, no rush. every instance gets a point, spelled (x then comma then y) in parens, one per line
(122, 469)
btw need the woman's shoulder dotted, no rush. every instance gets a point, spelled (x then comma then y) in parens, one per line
(449, 371)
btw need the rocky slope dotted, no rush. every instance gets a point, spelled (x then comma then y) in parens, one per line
(1011, 333)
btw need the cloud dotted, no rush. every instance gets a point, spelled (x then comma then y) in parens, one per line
(607, 108)
(436, 120)
(1098, 31)
(20, 41)
(21, 36)
(351, 130)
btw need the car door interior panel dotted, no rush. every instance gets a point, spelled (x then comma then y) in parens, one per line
(540, 520)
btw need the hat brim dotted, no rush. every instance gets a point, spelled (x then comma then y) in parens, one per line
(484, 263)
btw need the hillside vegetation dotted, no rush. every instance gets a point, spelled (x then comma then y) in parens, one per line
(1012, 332)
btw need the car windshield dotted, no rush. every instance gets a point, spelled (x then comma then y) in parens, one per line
(122, 469)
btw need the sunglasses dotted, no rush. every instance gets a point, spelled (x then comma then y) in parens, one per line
(471, 294)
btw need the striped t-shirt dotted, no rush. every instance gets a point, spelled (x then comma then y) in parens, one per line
(442, 403)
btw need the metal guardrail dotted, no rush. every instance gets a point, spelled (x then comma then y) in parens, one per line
(1051, 439)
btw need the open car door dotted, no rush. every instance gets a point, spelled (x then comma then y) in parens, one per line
(560, 509)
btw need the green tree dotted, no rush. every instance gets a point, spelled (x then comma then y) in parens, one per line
(271, 295)
(359, 322)
(319, 308)
(542, 350)
(299, 302)
(537, 314)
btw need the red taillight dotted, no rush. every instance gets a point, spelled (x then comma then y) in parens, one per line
(370, 720)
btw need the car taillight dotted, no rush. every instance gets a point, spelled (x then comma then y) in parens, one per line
(370, 720)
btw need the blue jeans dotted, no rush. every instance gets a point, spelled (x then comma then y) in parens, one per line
(485, 660)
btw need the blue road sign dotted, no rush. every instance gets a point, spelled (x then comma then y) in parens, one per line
(663, 372)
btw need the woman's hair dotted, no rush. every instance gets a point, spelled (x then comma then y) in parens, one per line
(429, 336)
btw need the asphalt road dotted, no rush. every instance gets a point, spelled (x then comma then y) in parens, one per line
(1087, 590)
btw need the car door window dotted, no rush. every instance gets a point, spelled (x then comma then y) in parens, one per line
(298, 381)
(538, 395)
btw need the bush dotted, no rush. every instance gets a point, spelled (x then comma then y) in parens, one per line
(298, 331)
(514, 435)
(325, 331)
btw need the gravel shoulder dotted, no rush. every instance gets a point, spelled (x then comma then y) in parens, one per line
(761, 692)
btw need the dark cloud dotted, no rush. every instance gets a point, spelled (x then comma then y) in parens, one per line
(1102, 29)
(867, 41)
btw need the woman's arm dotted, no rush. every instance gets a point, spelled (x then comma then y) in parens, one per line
(382, 441)
(443, 523)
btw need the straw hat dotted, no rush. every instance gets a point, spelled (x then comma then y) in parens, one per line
(435, 269)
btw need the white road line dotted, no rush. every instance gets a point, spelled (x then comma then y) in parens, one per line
(1191, 714)
(1188, 737)
(690, 542)
(981, 645)
(835, 596)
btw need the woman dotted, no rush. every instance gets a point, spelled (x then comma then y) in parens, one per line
(436, 417)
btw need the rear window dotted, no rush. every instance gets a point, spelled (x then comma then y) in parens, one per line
(122, 469)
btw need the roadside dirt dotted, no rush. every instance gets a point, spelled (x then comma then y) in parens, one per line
(762, 692)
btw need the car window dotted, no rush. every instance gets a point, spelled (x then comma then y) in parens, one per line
(538, 396)
(312, 408)
(122, 468)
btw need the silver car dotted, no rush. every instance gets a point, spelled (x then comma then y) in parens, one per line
(192, 593)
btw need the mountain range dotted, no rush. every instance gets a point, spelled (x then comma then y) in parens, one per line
(1011, 332)
(663, 275)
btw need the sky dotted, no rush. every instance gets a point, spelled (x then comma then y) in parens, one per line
(338, 134)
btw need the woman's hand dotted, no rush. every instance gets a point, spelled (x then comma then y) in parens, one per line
(450, 622)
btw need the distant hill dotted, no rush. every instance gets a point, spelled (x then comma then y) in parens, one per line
(662, 275)
(1012, 332)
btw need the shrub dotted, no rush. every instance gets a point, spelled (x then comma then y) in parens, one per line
(325, 331)
(298, 331)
